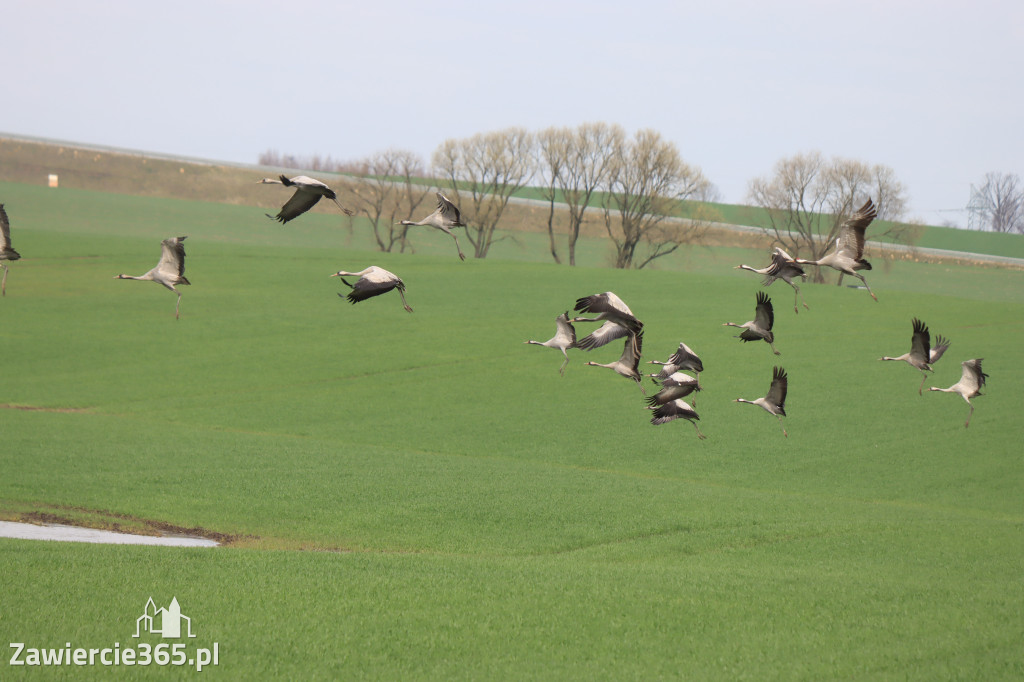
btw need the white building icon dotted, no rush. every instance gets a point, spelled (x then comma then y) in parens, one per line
(163, 622)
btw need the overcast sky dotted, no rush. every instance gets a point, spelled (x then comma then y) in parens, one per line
(932, 89)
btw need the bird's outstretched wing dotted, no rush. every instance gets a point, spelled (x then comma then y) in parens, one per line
(941, 344)
(764, 314)
(296, 206)
(775, 267)
(607, 302)
(367, 288)
(782, 263)
(851, 233)
(172, 256)
(673, 410)
(778, 390)
(685, 358)
(631, 350)
(920, 342)
(671, 391)
(972, 376)
(603, 335)
(612, 306)
(449, 211)
(5, 230)
(563, 327)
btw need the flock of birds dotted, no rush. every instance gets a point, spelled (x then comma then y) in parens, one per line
(618, 321)
(674, 382)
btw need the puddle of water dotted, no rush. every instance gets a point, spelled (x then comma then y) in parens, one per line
(29, 531)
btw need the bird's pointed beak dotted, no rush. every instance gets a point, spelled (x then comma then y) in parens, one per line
(335, 274)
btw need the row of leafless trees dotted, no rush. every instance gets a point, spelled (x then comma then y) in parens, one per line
(634, 183)
(632, 186)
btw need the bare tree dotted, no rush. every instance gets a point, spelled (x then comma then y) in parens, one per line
(388, 193)
(593, 151)
(1000, 202)
(487, 168)
(553, 145)
(646, 182)
(807, 199)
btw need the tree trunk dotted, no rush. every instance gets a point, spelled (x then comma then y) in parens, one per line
(551, 230)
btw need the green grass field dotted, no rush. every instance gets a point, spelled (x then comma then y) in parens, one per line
(424, 497)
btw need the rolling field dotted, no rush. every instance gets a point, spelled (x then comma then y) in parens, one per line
(424, 497)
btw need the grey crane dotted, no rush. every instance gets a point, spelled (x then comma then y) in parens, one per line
(683, 358)
(628, 362)
(969, 385)
(922, 354)
(760, 328)
(445, 217)
(676, 409)
(564, 338)
(618, 319)
(170, 271)
(784, 267)
(848, 255)
(373, 281)
(7, 251)
(307, 192)
(775, 401)
(678, 385)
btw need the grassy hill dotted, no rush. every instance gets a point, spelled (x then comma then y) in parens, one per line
(423, 496)
(110, 171)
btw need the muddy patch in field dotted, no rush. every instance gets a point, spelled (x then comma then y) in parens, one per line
(61, 533)
(80, 524)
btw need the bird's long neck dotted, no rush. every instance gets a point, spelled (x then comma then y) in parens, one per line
(146, 277)
(747, 267)
(732, 324)
(902, 357)
(748, 402)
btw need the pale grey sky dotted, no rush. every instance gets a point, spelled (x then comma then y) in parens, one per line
(930, 88)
